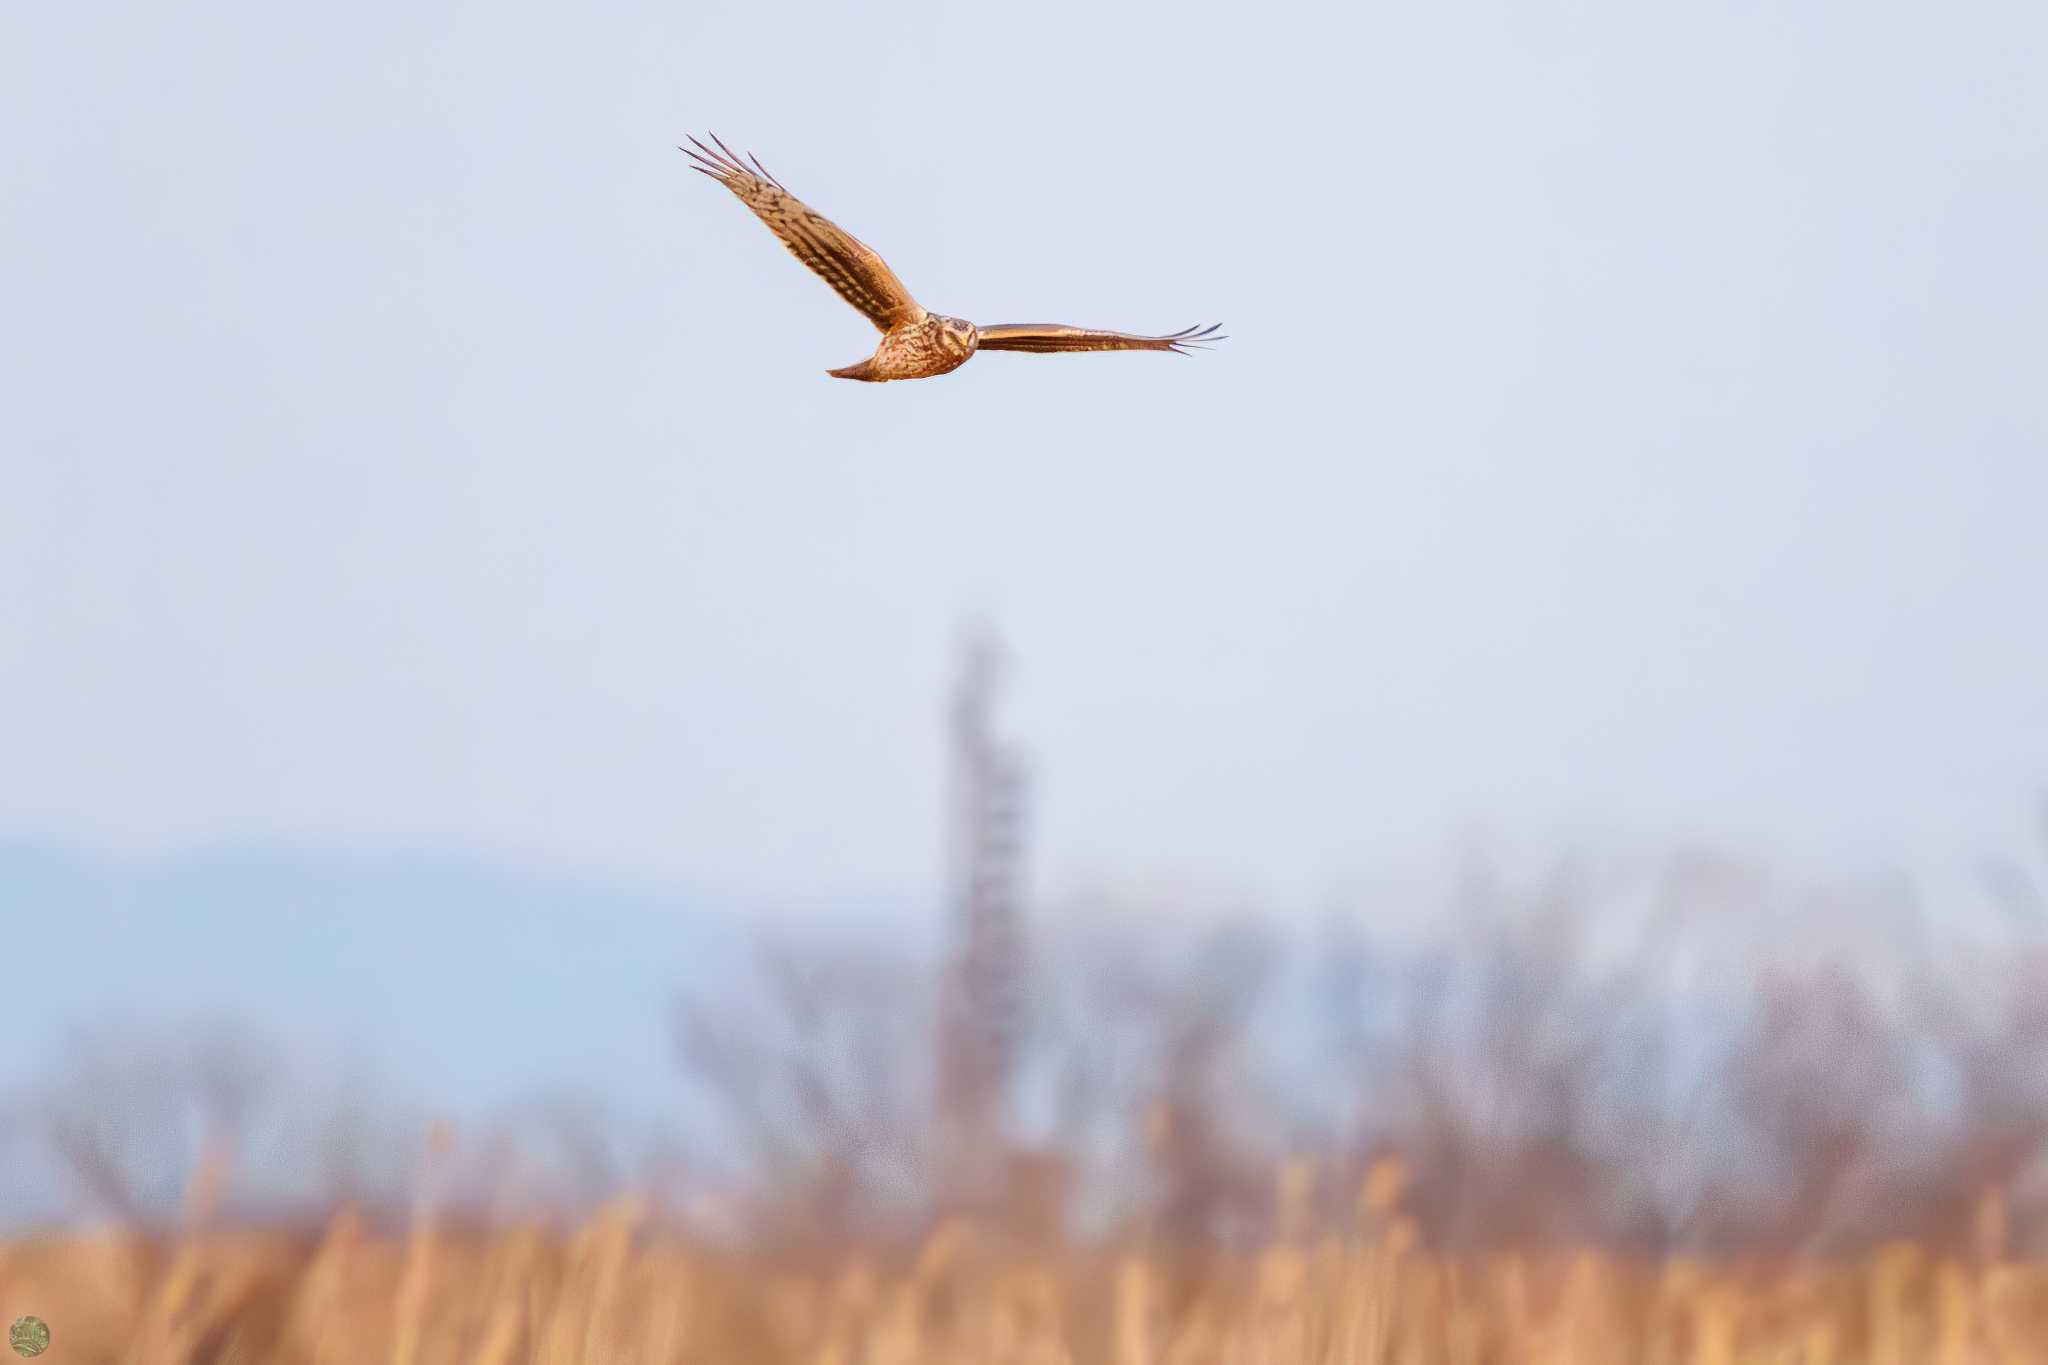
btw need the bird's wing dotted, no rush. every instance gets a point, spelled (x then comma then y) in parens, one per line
(862, 278)
(1055, 336)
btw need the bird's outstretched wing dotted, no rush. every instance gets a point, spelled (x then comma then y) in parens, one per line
(1054, 336)
(851, 267)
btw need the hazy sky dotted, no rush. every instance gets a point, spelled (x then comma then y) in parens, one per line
(1633, 422)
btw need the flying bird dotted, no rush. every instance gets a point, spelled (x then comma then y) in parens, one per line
(915, 344)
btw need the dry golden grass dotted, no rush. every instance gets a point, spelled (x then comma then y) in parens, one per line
(618, 1290)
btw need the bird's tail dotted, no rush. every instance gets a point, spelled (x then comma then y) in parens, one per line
(864, 370)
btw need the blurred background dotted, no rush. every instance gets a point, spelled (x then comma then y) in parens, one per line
(1557, 703)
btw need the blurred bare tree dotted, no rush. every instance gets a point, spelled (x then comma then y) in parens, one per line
(1662, 1059)
(820, 1074)
(984, 995)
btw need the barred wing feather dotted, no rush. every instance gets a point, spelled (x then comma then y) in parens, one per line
(1046, 337)
(842, 260)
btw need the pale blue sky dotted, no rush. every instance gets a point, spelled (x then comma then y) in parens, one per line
(1633, 424)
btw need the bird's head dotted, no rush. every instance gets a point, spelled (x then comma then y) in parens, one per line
(958, 335)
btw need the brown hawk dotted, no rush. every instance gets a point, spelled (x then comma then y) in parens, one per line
(915, 344)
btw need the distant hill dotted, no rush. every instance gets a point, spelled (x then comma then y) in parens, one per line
(452, 984)
(474, 980)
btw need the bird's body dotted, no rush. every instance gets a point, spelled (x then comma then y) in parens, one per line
(933, 345)
(915, 344)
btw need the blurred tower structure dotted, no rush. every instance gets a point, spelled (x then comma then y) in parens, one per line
(981, 1011)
